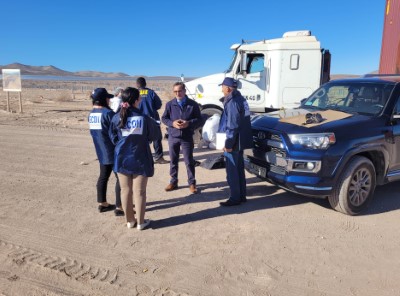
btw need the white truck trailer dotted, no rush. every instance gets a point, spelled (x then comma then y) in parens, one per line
(271, 74)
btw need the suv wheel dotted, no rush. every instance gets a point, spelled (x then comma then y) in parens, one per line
(355, 187)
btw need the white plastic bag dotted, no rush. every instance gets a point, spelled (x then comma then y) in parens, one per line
(210, 128)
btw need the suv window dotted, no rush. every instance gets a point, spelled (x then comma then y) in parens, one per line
(365, 98)
(396, 110)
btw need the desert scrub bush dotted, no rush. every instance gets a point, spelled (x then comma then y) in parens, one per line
(64, 96)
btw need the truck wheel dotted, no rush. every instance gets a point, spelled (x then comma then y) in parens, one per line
(205, 114)
(355, 187)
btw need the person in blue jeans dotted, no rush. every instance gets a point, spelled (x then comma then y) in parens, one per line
(235, 123)
(99, 122)
(181, 116)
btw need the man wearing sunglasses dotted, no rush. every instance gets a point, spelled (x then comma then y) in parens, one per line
(181, 116)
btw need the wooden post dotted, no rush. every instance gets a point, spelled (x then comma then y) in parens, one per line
(8, 101)
(20, 102)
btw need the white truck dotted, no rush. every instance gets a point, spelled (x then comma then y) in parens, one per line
(271, 74)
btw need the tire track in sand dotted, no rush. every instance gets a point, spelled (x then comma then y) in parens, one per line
(75, 269)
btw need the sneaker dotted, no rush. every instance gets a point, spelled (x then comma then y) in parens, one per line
(161, 160)
(103, 209)
(119, 212)
(131, 224)
(171, 186)
(143, 225)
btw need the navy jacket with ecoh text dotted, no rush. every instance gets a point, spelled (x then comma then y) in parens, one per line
(99, 123)
(190, 112)
(235, 122)
(132, 150)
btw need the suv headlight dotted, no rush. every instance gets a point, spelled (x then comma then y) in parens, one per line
(313, 141)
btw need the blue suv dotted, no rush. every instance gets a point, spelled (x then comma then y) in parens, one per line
(342, 142)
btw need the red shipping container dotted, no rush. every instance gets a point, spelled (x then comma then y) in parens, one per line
(390, 51)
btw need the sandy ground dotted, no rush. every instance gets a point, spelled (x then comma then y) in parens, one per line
(53, 241)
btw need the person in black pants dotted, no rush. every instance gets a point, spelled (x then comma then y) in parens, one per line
(149, 105)
(181, 116)
(99, 123)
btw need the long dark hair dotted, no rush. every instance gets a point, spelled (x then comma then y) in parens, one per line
(129, 96)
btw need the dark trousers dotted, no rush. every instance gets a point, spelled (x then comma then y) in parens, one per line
(175, 145)
(105, 172)
(158, 149)
(235, 175)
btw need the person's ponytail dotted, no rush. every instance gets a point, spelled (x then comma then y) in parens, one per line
(129, 96)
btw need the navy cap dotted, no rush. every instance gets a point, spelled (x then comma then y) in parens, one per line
(100, 94)
(228, 81)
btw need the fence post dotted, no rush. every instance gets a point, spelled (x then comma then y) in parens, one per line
(20, 102)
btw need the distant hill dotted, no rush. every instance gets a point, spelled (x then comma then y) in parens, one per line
(342, 76)
(54, 71)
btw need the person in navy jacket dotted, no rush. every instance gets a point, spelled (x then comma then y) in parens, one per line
(149, 105)
(99, 123)
(235, 123)
(181, 116)
(131, 131)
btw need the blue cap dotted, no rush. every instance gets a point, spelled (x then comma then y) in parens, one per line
(100, 94)
(228, 81)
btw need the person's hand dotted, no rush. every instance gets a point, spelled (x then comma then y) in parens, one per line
(184, 124)
(180, 124)
(227, 150)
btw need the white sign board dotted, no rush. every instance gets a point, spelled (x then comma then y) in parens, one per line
(11, 79)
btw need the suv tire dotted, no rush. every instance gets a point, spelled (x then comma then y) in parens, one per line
(355, 187)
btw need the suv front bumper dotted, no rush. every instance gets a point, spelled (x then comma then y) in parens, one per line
(292, 175)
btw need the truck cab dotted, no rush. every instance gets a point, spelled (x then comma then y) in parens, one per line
(271, 74)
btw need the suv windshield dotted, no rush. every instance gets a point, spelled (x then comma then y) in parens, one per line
(353, 97)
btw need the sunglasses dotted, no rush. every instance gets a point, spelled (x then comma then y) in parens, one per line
(313, 118)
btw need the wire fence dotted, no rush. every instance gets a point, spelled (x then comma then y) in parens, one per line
(38, 91)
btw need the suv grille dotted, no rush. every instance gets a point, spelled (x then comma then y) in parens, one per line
(266, 142)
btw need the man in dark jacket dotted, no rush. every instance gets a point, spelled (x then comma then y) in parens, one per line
(149, 105)
(181, 116)
(235, 123)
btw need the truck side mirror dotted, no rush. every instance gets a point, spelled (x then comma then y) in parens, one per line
(243, 64)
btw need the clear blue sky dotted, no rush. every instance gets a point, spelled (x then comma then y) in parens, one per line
(155, 38)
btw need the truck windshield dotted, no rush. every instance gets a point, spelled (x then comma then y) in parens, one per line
(232, 62)
(355, 97)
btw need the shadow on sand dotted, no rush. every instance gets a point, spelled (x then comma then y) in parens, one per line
(386, 199)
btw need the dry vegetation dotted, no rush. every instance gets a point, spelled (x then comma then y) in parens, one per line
(53, 241)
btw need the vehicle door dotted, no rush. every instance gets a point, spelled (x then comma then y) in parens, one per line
(251, 84)
(394, 165)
